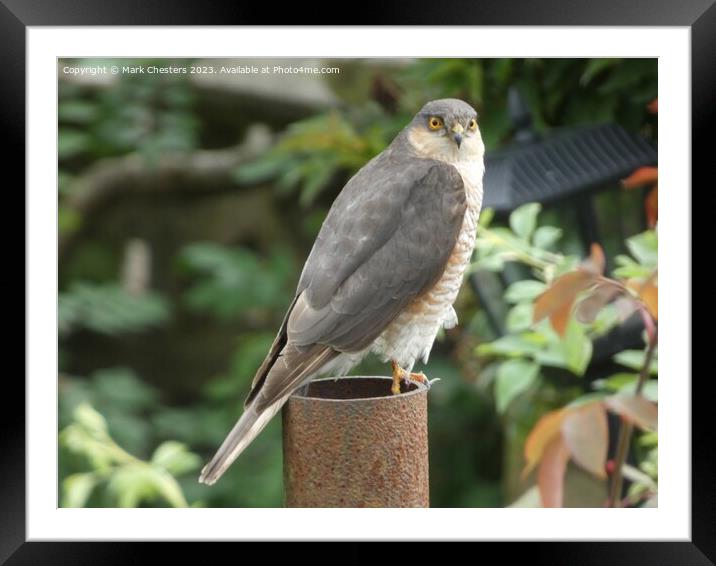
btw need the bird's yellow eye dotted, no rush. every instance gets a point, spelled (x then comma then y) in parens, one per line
(473, 124)
(435, 123)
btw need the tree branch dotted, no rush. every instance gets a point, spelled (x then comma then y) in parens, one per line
(199, 171)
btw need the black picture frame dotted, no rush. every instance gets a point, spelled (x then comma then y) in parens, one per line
(698, 15)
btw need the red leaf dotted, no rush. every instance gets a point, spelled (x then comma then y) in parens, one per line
(560, 318)
(556, 302)
(625, 305)
(600, 295)
(550, 477)
(586, 434)
(649, 293)
(640, 177)
(653, 106)
(651, 206)
(594, 264)
(635, 409)
(546, 429)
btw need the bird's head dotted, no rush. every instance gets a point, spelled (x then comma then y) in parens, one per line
(446, 130)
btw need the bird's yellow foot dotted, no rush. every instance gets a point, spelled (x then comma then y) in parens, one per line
(397, 376)
(399, 373)
(420, 377)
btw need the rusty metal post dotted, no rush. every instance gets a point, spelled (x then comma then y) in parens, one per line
(350, 443)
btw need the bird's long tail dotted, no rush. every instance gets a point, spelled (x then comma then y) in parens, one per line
(271, 392)
(245, 430)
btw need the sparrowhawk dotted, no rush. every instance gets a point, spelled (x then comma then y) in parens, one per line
(384, 270)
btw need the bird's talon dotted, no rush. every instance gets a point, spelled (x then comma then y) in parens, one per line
(419, 377)
(399, 374)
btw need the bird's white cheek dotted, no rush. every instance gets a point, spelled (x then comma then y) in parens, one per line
(473, 148)
(432, 146)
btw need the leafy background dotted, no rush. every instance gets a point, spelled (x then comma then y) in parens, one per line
(187, 205)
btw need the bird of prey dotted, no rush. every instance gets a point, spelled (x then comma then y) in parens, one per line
(384, 270)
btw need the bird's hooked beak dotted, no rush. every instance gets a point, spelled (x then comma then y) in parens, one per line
(457, 131)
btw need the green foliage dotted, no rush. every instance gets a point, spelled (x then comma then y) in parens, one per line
(523, 242)
(238, 293)
(528, 347)
(627, 383)
(115, 477)
(146, 113)
(313, 152)
(514, 377)
(560, 92)
(523, 221)
(122, 398)
(634, 359)
(577, 348)
(143, 113)
(578, 428)
(525, 290)
(644, 249)
(232, 281)
(108, 309)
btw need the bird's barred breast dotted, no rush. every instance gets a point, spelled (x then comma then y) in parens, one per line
(411, 335)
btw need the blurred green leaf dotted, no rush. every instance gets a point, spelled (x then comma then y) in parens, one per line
(77, 111)
(519, 317)
(524, 219)
(131, 484)
(644, 247)
(77, 489)
(595, 67)
(71, 143)
(175, 458)
(577, 348)
(510, 345)
(91, 421)
(513, 378)
(486, 216)
(233, 280)
(259, 171)
(634, 359)
(627, 268)
(127, 480)
(546, 236)
(68, 220)
(65, 182)
(108, 309)
(122, 388)
(615, 382)
(524, 290)
(169, 489)
(489, 263)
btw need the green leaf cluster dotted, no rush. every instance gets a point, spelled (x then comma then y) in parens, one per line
(522, 353)
(117, 478)
(227, 282)
(108, 309)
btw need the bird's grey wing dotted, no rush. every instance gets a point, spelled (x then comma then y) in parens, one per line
(373, 258)
(385, 241)
(359, 197)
